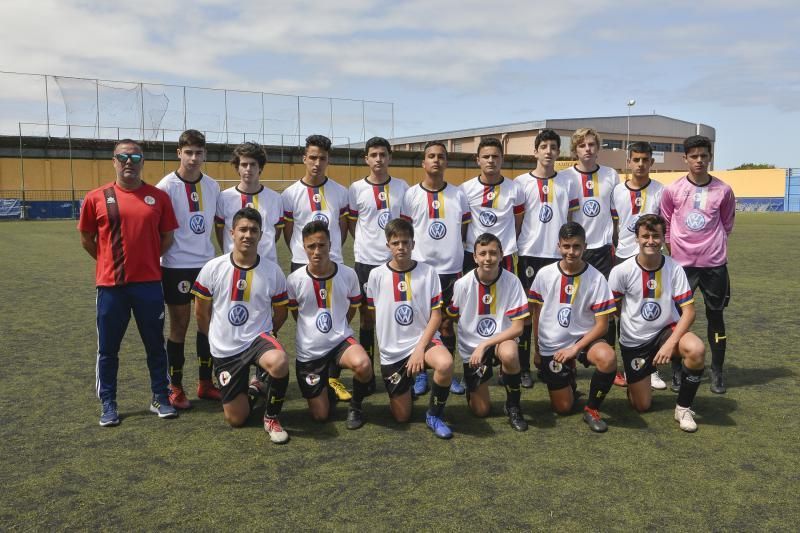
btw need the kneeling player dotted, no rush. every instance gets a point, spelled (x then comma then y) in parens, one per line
(492, 305)
(241, 304)
(651, 287)
(323, 297)
(571, 304)
(407, 299)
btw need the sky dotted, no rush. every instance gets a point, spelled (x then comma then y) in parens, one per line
(449, 64)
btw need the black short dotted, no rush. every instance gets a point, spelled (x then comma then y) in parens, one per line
(448, 281)
(506, 263)
(312, 376)
(557, 375)
(473, 377)
(714, 283)
(619, 260)
(233, 373)
(600, 258)
(528, 267)
(362, 271)
(177, 284)
(395, 379)
(294, 266)
(638, 361)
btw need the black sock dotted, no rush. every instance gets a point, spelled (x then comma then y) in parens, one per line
(524, 349)
(716, 338)
(203, 356)
(176, 359)
(598, 388)
(611, 334)
(360, 391)
(676, 367)
(449, 342)
(511, 382)
(276, 391)
(690, 382)
(334, 370)
(366, 338)
(438, 399)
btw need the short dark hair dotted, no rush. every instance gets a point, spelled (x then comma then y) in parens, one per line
(127, 141)
(316, 226)
(377, 141)
(696, 141)
(489, 141)
(570, 230)
(487, 238)
(191, 138)
(640, 147)
(434, 143)
(398, 226)
(320, 141)
(249, 149)
(250, 214)
(546, 134)
(650, 222)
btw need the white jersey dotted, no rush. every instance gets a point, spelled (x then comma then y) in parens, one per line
(548, 203)
(322, 305)
(630, 204)
(437, 217)
(650, 299)
(403, 302)
(569, 303)
(493, 208)
(303, 203)
(372, 206)
(242, 301)
(596, 213)
(194, 205)
(485, 310)
(267, 202)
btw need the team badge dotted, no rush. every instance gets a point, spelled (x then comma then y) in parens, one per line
(487, 219)
(569, 289)
(195, 196)
(184, 286)
(564, 316)
(437, 230)
(395, 378)
(198, 224)
(638, 364)
(651, 311)
(480, 371)
(401, 286)
(545, 189)
(591, 208)
(529, 272)
(112, 200)
(383, 219)
(436, 204)
(249, 204)
(241, 284)
(638, 202)
(491, 195)
(321, 217)
(238, 315)
(224, 378)
(312, 379)
(149, 200)
(555, 366)
(545, 214)
(316, 197)
(324, 322)
(486, 299)
(486, 327)
(695, 221)
(652, 284)
(404, 315)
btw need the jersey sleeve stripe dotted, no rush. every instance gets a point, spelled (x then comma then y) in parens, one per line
(452, 311)
(288, 216)
(517, 311)
(353, 214)
(603, 308)
(618, 295)
(436, 301)
(370, 304)
(280, 223)
(466, 218)
(280, 298)
(614, 214)
(219, 221)
(519, 209)
(292, 304)
(684, 299)
(202, 292)
(535, 297)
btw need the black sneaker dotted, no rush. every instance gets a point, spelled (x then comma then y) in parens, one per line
(515, 418)
(355, 418)
(525, 379)
(676, 382)
(718, 382)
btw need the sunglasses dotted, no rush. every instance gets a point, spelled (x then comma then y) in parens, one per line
(123, 158)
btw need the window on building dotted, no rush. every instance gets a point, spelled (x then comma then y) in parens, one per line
(566, 146)
(678, 148)
(612, 144)
(457, 145)
(661, 147)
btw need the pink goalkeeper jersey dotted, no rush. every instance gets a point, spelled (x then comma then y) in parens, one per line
(699, 220)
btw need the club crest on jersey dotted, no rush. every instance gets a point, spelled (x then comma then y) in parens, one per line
(238, 315)
(638, 363)
(437, 230)
(404, 315)
(487, 219)
(383, 218)
(591, 208)
(486, 299)
(320, 217)
(241, 284)
(529, 271)
(324, 322)
(249, 204)
(436, 204)
(651, 311)
(652, 284)
(312, 379)
(112, 200)
(316, 197)
(569, 289)
(564, 316)
(555, 366)
(149, 200)
(395, 378)
(545, 214)
(486, 327)
(184, 286)
(224, 378)
(695, 221)
(198, 224)
(382, 196)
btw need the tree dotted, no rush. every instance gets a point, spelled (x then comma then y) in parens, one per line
(753, 166)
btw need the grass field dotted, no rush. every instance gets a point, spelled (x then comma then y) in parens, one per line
(60, 470)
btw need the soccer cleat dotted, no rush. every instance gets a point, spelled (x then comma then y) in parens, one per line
(177, 398)
(161, 406)
(592, 417)
(275, 431)
(108, 415)
(718, 382)
(438, 427)
(676, 382)
(420, 384)
(620, 381)
(656, 383)
(457, 387)
(355, 418)
(342, 394)
(685, 417)
(207, 391)
(515, 418)
(525, 379)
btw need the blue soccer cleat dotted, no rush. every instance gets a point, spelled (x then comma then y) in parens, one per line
(161, 406)
(420, 384)
(109, 415)
(456, 387)
(439, 428)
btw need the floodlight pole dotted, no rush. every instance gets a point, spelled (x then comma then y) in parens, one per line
(630, 104)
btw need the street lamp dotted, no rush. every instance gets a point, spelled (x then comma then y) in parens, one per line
(631, 103)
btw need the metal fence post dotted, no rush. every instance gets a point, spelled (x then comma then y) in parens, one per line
(71, 171)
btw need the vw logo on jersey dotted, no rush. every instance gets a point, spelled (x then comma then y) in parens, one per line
(545, 214)
(404, 315)
(564, 316)
(238, 315)
(555, 366)
(632, 225)
(383, 218)
(312, 379)
(638, 363)
(486, 327)
(591, 208)
(198, 224)
(695, 221)
(437, 230)
(320, 217)
(324, 322)
(487, 218)
(651, 311)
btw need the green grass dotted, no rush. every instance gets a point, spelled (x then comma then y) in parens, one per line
(60, 470)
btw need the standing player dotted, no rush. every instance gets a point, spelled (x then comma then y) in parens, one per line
(572, 302)
(492, 305)
(699, 210)
(407, 300)
(440, 215)
(194, 199)
(316, 197)
(374, 201)
(323, 298)
(125, 227)
(249, 159)
(241, 305)
(638, 196)
(549, 197)
(651, 289)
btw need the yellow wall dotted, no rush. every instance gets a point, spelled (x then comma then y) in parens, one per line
(768, 183)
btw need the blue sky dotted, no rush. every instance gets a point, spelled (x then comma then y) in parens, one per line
(734, 65)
